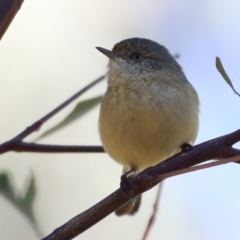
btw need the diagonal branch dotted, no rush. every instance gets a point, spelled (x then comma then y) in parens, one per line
(16, 144)
(36, 126)
(217, 148)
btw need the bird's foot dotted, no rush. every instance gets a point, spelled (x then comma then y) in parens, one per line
(186, 147)
(125, 183)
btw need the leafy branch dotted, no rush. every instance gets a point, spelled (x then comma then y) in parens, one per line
(18, 145)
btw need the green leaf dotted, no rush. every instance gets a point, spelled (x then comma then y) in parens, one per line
(26, 202)
(31, 193)
(80, 109)
(222, 71)
(5, 186)
(23, 204)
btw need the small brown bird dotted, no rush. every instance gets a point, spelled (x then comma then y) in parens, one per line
(149, 109)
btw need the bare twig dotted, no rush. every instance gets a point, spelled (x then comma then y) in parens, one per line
(218, 148)
(20, 146)
(154, 213)
(201, 167)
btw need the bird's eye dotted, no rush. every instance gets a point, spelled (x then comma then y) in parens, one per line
(136, 56)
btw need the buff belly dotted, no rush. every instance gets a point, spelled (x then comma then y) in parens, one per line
(138, 136)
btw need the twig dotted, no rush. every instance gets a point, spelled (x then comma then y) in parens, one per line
(20, 146)
(218, 148)
(154, 213)
(16, 144)
(201, 167)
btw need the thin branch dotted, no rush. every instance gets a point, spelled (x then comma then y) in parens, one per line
(8, 10)
(213, 149)
(16, 144)
(154, 213)
(20, 146)
(201, 167)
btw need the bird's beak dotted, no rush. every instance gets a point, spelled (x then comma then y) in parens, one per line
(106, 52)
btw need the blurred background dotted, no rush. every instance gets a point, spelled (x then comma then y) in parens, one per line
(48, 53)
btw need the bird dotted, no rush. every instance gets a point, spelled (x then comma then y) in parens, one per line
(149, 111)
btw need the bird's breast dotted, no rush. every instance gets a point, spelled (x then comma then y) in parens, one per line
(142, 125)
